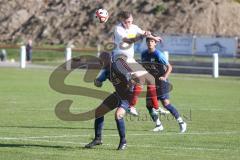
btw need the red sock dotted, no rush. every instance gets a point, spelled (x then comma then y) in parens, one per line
(152, 92)
(136, 92)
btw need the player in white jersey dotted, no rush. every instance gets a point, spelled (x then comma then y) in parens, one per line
(125, 34)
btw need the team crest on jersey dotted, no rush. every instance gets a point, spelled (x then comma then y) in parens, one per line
(155, 69)
(152, 60)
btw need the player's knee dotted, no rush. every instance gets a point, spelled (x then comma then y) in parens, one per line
(119, 114)
(138, 79)
(141, 80)
(165, 102)
(149, 79)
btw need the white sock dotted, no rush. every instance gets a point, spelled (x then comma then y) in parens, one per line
(180, 120)
(158, 122)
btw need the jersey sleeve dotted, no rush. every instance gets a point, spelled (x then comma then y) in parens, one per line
(102, 75)
(119, 33)
(162, 58)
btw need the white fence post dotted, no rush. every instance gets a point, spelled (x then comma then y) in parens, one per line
(194, 45)
(235, 55)
(215, 65)
(166, 54)
(68, 57)
(23, 57)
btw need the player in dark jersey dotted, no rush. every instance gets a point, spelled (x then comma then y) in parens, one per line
(161, 75)
(119, 99)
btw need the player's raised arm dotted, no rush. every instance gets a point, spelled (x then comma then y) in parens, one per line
(154, 37)
(141, 36)
(137, 37)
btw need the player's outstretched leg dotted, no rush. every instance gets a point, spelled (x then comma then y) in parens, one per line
(174, 112)
(98, 127)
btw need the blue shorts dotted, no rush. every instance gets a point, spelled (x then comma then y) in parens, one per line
(163, 97)
(122, 103)
(163, 89)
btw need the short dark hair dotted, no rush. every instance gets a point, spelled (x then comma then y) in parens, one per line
(125, 15)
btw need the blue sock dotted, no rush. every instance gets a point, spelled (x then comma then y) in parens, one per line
(98, 126)
(172, 110)
(121, 129)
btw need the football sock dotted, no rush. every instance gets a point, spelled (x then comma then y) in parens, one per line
(154, 117)
(158, 122)
(98, 126)
(151, 91)
(137, 89)
(121, 129)
(172, 110)
(180, 120)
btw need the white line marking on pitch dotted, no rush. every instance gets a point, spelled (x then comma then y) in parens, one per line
(116, 135)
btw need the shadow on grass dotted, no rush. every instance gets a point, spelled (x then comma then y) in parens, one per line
(97, 148)
(32, 145)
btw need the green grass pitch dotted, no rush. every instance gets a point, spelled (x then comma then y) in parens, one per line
(30, 130)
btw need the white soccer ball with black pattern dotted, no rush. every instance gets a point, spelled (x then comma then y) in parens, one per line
(102, 15)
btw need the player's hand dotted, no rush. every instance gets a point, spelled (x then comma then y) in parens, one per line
(158, 39)
(97, 83)
(163, 78)
(147, 33)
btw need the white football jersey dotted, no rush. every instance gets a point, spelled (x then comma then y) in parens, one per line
(121, 47)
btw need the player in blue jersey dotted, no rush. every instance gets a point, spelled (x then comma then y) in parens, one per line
(156, 56)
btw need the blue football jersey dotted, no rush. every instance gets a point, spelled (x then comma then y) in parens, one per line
(157, 56)
(155, 62)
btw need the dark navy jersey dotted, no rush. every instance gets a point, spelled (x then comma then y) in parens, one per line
(118, 80)
(155, 63)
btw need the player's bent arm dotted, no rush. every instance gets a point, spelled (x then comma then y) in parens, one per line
(121, 33)
(156, 38)
(168, 72)
(137, 38)
(133, 40)
(102, 76)
(141, 36)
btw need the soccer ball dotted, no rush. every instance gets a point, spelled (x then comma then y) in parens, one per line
(102, 15)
